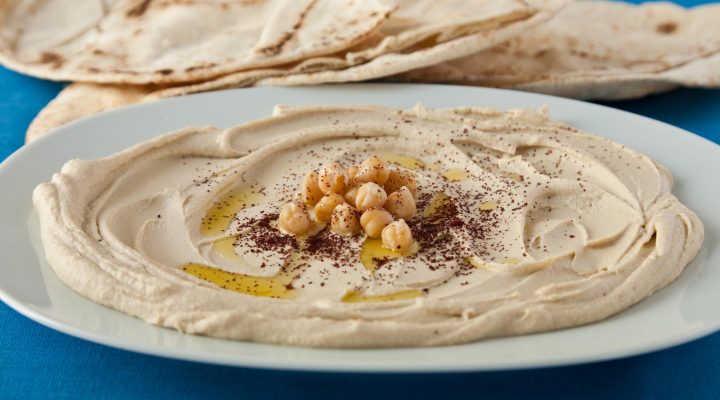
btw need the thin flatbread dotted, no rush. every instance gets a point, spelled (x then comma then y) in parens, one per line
(179, 41)
(173, 41)
(497, 30)
(82, 99)
(79, 100)
(622, 51)
(417, 33)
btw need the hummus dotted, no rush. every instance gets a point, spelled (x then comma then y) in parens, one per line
(523, 225)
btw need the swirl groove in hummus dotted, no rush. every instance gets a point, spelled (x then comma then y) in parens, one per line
(523, 225)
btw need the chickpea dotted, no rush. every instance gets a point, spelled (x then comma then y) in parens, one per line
(397, 236)
(326, 205)
(374, 169)
(351, 195)
(352, 173)
(374, 220)
(310, 193)
(370, 195)
(344, 220)
(333, 178)
(398, 179)
(401, 204)
(294, 218)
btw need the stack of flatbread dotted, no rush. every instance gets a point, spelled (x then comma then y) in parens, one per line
(119, 52)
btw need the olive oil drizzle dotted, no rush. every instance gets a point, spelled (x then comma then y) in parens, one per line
(279, 287)
(403, 160)
(373, 254)
(456, 175)
(218, 218)
(357, 297)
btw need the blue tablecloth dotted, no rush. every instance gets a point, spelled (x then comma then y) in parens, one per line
(38, 362)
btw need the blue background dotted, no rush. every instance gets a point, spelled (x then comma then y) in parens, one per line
(37, 362)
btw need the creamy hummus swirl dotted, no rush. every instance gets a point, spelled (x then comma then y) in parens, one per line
(524, 225)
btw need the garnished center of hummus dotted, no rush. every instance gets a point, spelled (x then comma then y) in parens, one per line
(363, 216)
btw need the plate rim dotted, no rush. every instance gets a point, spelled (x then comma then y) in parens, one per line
(330, 366)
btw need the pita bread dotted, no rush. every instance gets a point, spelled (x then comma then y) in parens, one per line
(623, 51)
(496, 30)
(172, 41)
(78, 100)
(411, 38)
(418, 33)
(176, 41)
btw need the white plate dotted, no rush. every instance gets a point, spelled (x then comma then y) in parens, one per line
(687, 309)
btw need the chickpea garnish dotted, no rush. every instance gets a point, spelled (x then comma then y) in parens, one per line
(333, 178)
(354, 200)
(294, 218)
(374, 169)
(397, 236)
(326, 205)
(370, 195)
(352, 173)
(344, 220)
(310, 193)
(351, 195)
(398, 179)
(374, 220)
(401, 204)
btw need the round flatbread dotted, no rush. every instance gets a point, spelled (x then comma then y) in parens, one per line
(623, 51)
(416, 34)
(146, 41)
